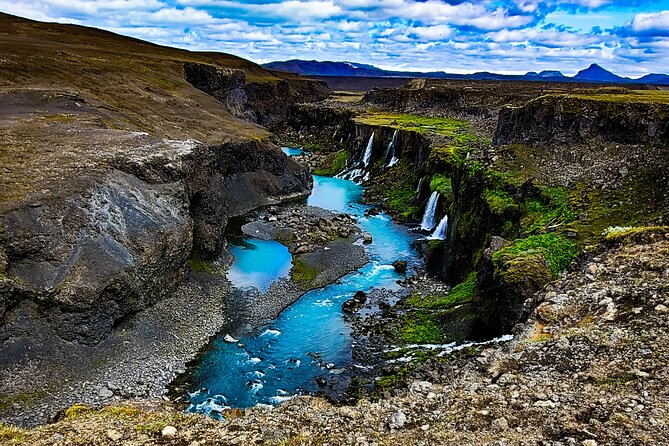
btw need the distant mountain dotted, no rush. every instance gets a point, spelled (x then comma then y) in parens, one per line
(593, 74)
(548, 74)
(656, 79)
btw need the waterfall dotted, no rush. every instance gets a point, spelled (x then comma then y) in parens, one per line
(367, 156)
(430, 215)
(440, 232)
(418, 189)
(391, 151)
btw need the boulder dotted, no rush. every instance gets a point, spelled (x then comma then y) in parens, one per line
(400, 266)
(354, 304)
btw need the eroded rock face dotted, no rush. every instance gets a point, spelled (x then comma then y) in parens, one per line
(562, 119)
(82, 263)
(90, 260)
(262, 102)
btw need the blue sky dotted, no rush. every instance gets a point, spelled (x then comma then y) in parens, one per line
(506, 36)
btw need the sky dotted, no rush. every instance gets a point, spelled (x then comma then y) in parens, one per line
(505, 36)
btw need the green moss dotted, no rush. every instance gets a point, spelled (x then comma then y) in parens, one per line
(458, 295)
(619, 234)
(77, 410)
(551, 210)
(629, 96)
(301, 272)
(334, 165)
(11, 435)
(499, 202)
(421, 327)
(443, 185)
(122, 411)
(422, 124)
(399, 191)
(197, 264)
(449, 156)
(556, 249)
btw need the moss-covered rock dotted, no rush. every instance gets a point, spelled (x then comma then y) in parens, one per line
(334, 163)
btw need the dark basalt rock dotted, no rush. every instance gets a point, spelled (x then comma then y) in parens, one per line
(400, 266)
(558, 119)
(354, 304)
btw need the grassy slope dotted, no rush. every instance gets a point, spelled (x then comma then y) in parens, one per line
(48, 71)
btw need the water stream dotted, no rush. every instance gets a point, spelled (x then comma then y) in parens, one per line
(430, 215)
(310, 338)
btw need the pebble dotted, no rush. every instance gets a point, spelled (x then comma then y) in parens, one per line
(662, 309)
(230, 339)
(105, 393)
(114, 435)
(169, 431)
(500, 424)
(397, 420)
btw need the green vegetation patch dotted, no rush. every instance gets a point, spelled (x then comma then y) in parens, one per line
(399, 190)
(334, 164)
(421, 327)
(623, 233)
(459, 294)
(301, 272)
(11, 434)
(551, 209)
(628, 96)
(499, 202)
(201, 266)
(77, 411)
(452, 128)
(443, 185)
(556, 249)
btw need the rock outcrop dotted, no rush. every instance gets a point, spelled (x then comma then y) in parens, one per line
(84, 262)
(567, 119)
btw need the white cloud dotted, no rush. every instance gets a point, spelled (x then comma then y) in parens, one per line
(650, 22)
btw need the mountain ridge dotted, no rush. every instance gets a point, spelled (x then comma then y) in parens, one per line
(593, 74)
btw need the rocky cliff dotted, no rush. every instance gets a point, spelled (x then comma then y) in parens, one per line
(612, 115)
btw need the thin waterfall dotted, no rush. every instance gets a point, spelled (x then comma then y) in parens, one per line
(440, 232)
(358, 172)
(367, 156)
(391, 150)
(430, 215)
(419, 188)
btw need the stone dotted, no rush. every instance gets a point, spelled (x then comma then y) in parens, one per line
(114, 435)
(500, 424)
(400, 266)
(350, 306)
(230, 339)
(662, 309)
(610, 315)
(104, 392)
(589, 443)
(397, 420)
(169, 431)
(367, 238)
